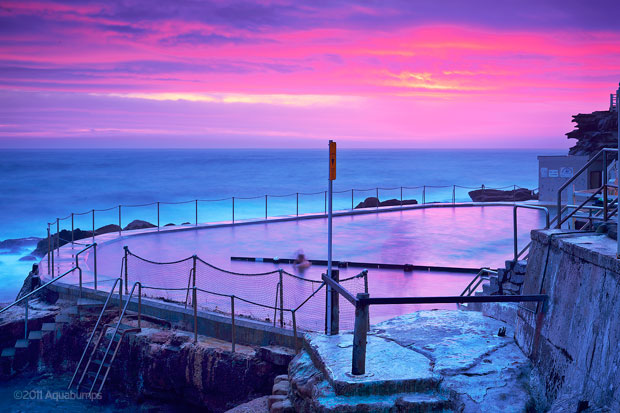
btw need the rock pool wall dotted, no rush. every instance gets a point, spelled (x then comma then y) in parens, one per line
(575, 341)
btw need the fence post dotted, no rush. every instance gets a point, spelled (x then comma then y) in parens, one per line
(49, 247)
(72, 237)
(401, 196)
(453, 194)
(281, 300)
(196, 212)
(377, 192)
(366, 291)
(120, 225)
(265, 206)
(297, 203)
(352, 199)
(605, 181)
(514, 232)
(139, 305)
(514, 193)
(233, 209)
(58, 236)
(325, 197)
(194, 257)
(295, 331)
(335, 307)
(95, 258)
(157, 215)
(53, 259)
(120, 296)
(126, 265)
(232, 326)
(358, 365)
(195, 316)
(26, 320)
(424, 194)
(93, 225)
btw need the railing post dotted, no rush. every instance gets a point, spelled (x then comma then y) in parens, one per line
(453, 194)
(120, 296)
(358, 365)
(295, 331)
(196, 212)
(194, 258)
(157, 215)
(352, 201)
(514, 232)
(297, 203)
(281, 300)
(605, 181)
(195, 302)
(401, 196)
(126, 265)
(52, 252)
(265, 206)
(558, 224)
(72, 237)
(139, 305)
(335, 306)
(232, 325)
(377, 193)
(49, 247)
(120, 225)
(366, 291)
(80, 275)
(233, 209)
(58, 236)
(93, 225)
(95, 266)
(424, 194)
(26, 320)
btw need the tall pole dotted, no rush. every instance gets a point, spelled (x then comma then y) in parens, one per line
(618, 170)
(331, 176)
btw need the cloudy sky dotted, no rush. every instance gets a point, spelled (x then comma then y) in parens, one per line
(444, 74)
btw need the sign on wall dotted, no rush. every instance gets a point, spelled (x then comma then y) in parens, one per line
(566, 172)
(553, 173)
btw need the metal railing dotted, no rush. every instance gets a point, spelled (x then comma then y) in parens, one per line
(26, 298)
(362, 302)
(560, 219)
(483, 275)
(517, 253)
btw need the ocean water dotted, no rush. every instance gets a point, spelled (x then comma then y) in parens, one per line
(39, 186)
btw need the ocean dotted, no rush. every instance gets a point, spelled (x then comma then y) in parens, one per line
(39, 186)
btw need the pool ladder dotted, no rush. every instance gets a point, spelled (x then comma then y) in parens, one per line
(103, 353)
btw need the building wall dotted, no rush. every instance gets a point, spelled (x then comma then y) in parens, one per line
(554, 171)
(574, 341)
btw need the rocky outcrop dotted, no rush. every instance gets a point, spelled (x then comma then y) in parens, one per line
(497, 195)
(138, 224)
(593, 132)
(18, 244)
(373, 202)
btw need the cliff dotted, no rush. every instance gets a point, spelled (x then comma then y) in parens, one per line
(594, 131)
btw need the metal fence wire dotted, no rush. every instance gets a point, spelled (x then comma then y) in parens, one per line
(269, 296)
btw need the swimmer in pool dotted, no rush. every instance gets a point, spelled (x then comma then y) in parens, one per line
(301, 264)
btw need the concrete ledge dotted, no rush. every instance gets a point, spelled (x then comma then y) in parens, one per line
(211, 324)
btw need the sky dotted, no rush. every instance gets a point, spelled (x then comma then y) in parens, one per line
(376, 74)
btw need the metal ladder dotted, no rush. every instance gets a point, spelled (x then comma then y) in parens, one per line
(96, 369)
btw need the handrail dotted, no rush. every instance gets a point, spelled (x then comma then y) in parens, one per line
(481, 276)
(77, 264)
(514, 225)
(584, 168)
(362, 301)
(90, 339)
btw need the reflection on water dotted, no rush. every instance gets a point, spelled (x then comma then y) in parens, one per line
(459, 237)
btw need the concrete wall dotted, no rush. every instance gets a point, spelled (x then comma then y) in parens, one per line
(575, 340)
(554, 171)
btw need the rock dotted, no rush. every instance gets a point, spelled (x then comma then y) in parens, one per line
(521, 267)
(284, 406)
(138, 224)
(28, 258)
(275, 398)
(517, 278)
(59, 239)
(186, 223)
(593, 132)
(15, 245)
(502, 275)
(170, 224)
(373, 202)
(258, 405)
(281, 387)
(107, 229)
(511, 289)
(496, 195)
(280, 378)
(280, 356)
(32, 282)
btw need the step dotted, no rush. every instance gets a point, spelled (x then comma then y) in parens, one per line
(35, 335)
(98, 362)
(8, 352)
(63, 318)
(85, 302)
(48, 327)
(23, 343)
(407, 402)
